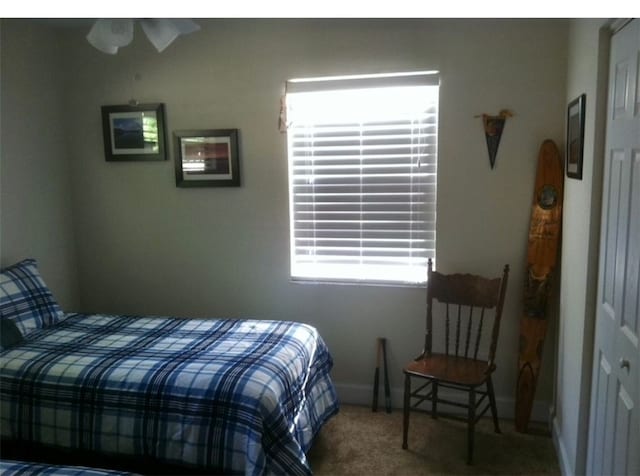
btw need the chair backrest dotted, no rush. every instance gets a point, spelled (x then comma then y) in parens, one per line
(466, 298)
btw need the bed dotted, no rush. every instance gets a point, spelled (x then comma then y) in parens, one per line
(24, 468)
(215, 395)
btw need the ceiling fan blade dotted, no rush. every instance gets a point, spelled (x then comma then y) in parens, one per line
(185, 26)
(108, 35)
(161, 32)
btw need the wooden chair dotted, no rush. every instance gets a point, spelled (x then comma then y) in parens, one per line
(464, 300)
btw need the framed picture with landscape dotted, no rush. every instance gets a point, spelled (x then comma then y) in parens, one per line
(134, 132)
(207, 158)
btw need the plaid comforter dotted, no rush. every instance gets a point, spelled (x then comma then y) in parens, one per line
(21, 468)
(242, 396)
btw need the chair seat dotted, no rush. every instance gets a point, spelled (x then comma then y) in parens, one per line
(449, 368)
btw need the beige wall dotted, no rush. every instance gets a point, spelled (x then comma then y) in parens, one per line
(145, 246)
(587, 73)
(35, 206)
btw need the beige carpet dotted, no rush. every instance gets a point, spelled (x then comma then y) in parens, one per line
(358, 441)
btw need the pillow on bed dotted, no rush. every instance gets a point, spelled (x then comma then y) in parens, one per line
(25, 298)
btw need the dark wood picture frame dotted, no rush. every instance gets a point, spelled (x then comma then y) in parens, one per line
(575, 136)
(207, 158)
(134, 132)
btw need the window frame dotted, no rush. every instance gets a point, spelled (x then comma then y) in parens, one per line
(327, 84)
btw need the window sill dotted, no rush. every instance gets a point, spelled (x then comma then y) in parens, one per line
(335, 282)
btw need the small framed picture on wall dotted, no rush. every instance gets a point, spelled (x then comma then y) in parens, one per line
(134, 132)
(207, 158)
(575, 137)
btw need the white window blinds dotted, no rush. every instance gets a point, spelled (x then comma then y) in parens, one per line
(362, 177)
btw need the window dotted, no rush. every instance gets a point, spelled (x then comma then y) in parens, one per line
(362, 177)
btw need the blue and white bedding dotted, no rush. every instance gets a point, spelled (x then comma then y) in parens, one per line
(22, 468)
(230, 395)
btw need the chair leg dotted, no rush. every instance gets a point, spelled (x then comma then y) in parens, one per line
(434, 399)
(472, 423)
(494, 408)
(405, 415)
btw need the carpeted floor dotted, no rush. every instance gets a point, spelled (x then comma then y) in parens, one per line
(358, 441)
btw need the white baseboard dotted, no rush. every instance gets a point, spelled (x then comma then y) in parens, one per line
(362, 395)
(561, 449)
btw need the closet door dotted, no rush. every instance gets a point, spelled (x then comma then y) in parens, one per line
(614, 429)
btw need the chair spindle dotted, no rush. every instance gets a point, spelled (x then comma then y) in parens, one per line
(480, 325)
(446, 340)
(468, 339)
(458, 330)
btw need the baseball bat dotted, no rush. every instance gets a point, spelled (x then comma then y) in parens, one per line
(376, 378)
(387, 388)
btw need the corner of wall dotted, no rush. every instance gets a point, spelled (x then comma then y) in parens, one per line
(586, 73)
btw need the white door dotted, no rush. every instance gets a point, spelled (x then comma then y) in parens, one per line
(614, 429)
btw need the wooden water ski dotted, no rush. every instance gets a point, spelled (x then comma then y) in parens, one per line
(544, 239)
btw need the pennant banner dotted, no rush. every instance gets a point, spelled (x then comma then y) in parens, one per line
(493, 127)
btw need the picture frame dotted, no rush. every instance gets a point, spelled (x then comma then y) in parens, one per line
(134, 132)
(207, 158)
(575, 136)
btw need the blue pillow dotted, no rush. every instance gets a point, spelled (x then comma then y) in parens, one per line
(25, 298)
